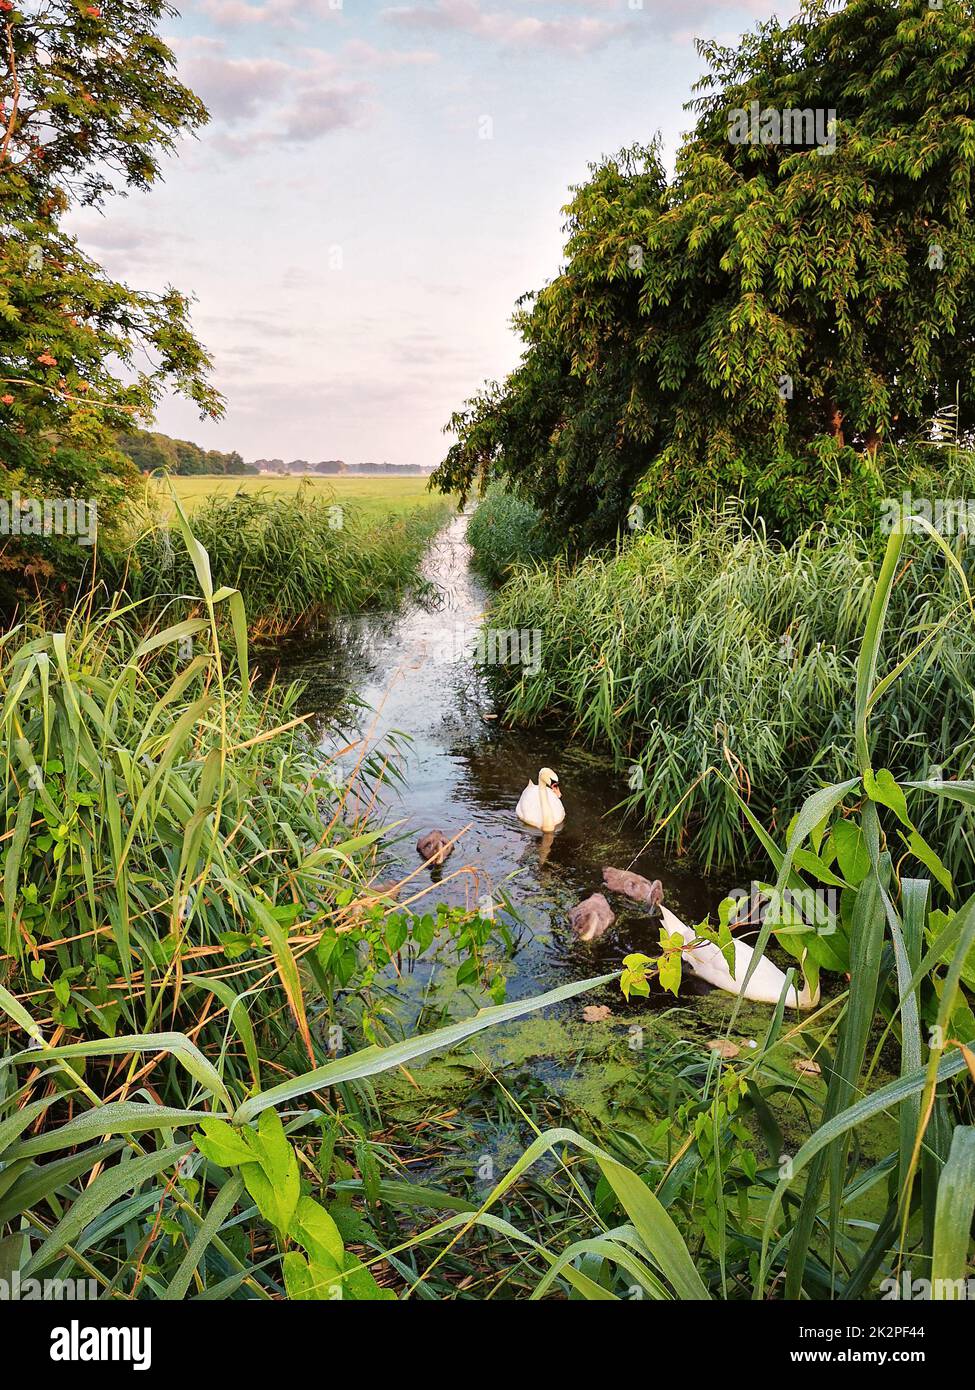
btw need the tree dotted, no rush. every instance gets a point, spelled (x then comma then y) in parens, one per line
(765, 323)
(90, 103)
(153, 453)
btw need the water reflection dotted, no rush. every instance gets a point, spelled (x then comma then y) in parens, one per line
(462, 768)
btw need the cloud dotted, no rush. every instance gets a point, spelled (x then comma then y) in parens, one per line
(364, 54)
(321, 111)
(257, 102)
(574, 35)
(571, 34)
(235, 89)
(236, 14)
(126, 247)
(100, 235)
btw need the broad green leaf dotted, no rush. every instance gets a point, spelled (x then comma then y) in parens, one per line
(882, 787)
(313, 1228)
(306, 1280)
(921, 850)
(222, 1144)
(359, 1285)
(953, 1214)
(851, 851)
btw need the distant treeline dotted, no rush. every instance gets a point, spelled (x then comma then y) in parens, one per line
(150, 451)
(334, 467)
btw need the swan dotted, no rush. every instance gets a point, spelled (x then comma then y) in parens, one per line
(767, 980)
(634, 886)
(433, 847)
(385, 890)
(592, 917)
(541, 805)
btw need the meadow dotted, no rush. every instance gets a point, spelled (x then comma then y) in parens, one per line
(299, 552)
(372, 498)
(214, 924)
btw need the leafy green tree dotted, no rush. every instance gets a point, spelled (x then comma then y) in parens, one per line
(89, 102)
(151, 453)
(764, 324)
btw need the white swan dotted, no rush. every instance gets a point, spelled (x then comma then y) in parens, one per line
(767, 980)
(590, 919)
(706, 960)
(541, 805)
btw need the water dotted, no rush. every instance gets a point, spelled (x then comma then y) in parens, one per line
(463, 771)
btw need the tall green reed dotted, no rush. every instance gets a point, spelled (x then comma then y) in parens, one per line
(170, 833)
(724, 650)
(795, 1227)
(295, 560)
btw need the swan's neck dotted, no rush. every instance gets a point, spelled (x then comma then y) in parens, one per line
(548, 817)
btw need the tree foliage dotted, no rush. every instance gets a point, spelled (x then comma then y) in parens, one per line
(151, 452)
(765, 322)
(90, 104)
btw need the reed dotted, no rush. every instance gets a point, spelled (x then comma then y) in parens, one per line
(296, 558)
(725, 650)
(170, 832)
(505, 532)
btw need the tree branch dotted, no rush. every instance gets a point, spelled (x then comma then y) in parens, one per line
(12, 69)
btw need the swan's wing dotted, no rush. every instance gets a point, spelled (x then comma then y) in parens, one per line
(707, 961)
(529, 807)
(767, 980)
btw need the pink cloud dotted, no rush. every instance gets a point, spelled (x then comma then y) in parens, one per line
(235, 89)
(367, 55)
(574, 34)
(232, 14)
(258, 102)
(505, 27)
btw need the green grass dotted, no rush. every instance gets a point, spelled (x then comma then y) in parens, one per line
(298, 554)
(177, 865)
(723, 650)
(370, 497)
(505, 532)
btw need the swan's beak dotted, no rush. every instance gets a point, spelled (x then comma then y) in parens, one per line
(554, 787)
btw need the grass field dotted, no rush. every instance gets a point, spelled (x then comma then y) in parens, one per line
(298, 550)
(370, 497)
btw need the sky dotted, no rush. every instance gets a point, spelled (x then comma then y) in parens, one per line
(378, 185)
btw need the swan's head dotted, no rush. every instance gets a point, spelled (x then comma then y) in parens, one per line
(550, 779)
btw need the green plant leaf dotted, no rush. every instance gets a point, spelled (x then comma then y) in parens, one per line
(953, 1214)
(313, 1228)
